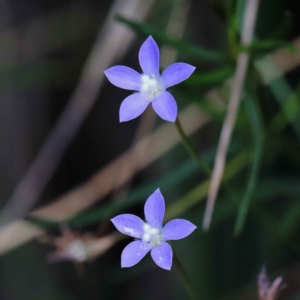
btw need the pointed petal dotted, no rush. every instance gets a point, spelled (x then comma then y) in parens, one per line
(263, 284)
(177, 229)
(149, 57)
(133, 253)
(165, 106)
(176, 73)
(124, 77)
(129, 224)
(155, 209)
(162, 255)
(132, 106)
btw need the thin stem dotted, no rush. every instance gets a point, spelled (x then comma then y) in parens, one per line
(184, 276)
(187, 143)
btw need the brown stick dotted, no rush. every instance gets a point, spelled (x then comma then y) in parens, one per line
(102, 183)
(107, 49)
(233, 106)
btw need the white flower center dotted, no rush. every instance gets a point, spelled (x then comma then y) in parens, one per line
(152, 235)
(150, 86)
(77, 251)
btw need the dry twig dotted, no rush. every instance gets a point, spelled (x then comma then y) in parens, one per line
(103, 182)
(107, 49)
(232, 110)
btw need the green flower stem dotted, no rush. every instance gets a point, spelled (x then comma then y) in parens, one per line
(201, 163)
(184, 276)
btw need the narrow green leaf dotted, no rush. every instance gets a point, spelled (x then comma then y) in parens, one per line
(213, 77)
(43, 223)
(258, 136)
(239, 14)
(138, 195)
(206, 105)
(267, 46)
(272, 187)
(289, 111)
(232, 30)
(289, 223)
(285, 96)
(184, 47)
(174, 177)
(200, 192)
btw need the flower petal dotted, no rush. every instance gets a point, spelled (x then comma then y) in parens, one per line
(165, 106)
(124, 77)
(155, 209)
(162, 255)
(132, 106)
(133, 253)
(176, 73)
(177, 229)
(129, 224)
(149, 57)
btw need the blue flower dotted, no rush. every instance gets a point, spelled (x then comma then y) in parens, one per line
(151, 235)
(150, 86)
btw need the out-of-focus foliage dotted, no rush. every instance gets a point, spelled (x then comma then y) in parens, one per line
(256, 220)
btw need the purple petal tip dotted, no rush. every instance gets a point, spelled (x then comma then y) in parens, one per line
(178, 229)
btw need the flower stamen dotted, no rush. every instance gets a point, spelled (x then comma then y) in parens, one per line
(150, 86)
(152, 235)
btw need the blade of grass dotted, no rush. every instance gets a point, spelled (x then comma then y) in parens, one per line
(138, 195)
(271, 187)
(289, 223)
(258, 136)
(285, 96)
(200, 192)
(184, 47)
(267, 46)
(213, 77)
(174, 177)
(290, 108)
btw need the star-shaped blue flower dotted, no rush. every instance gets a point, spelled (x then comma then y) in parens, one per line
(151, 235)
(150, 86)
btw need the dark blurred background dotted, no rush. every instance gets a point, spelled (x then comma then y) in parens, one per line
(44, 47)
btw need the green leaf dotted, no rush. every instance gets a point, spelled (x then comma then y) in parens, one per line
(283, 93)
(200, 192)
(258, 136)
(289, 223)
(273, 187)
(232, 30)
(43, 223)
(138, 195)
(184, 47)
(215, 112)
(262, 47)
(213, 77)
(239, 14)
(289, 111)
